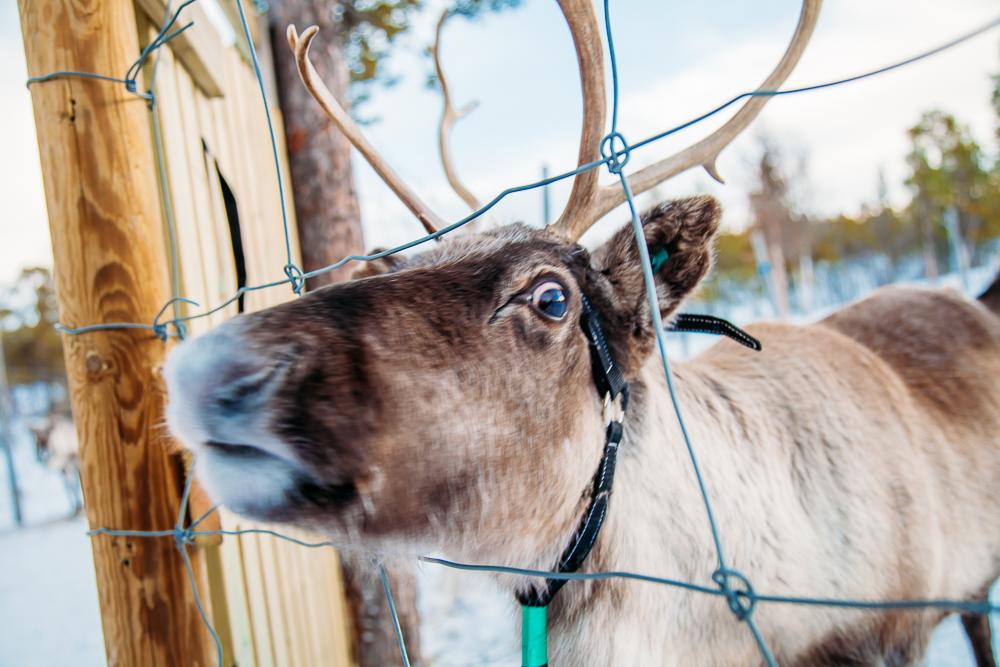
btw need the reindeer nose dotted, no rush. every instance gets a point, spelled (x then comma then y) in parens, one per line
(246, 390)
(217, 384)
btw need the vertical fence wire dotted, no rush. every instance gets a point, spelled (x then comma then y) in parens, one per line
(293, 272)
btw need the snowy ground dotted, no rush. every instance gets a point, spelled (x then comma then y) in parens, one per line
(48, 599)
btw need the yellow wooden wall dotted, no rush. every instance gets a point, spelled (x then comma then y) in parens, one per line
(273, 603)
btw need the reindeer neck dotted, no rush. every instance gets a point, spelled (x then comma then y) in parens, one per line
(656, 521)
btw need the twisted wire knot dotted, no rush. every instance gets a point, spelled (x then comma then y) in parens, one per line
(160, 329)
(184, 536)
(738, 590)
(616, 151)
(295, 277)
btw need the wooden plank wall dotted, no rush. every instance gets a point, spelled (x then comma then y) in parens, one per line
(274, 603)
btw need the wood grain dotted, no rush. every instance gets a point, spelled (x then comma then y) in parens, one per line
(107, 242)
(199, 47)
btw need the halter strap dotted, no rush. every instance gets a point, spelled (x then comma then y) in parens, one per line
(708, 324)
(611, 383)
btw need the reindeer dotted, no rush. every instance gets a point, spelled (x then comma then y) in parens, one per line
(56, 447)
(446, 402)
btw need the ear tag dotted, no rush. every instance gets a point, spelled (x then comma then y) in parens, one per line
(659, 258)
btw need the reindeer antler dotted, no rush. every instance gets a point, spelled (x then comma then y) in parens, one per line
(588, 202)
(586, 34)
(340, 118)
(450, 116)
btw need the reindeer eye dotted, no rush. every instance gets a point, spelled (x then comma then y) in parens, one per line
(549, 299)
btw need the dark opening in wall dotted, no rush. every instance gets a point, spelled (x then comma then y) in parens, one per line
(235, 236)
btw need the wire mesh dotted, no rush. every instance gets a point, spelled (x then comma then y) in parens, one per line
(729, 584)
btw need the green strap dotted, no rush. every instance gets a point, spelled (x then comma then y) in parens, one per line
(534, 636)
(659, 258)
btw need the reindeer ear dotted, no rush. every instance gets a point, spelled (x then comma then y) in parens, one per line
(678, 237)
(377, 267)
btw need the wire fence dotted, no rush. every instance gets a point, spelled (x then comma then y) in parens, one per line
(728, 583)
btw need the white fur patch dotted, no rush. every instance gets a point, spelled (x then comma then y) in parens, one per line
(192, 372)
(244, 485)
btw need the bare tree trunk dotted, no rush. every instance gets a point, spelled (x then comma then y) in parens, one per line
(375, 643)
(329, 224)
(779, 277)
(769, 212)
(927, 240)
(326, 204)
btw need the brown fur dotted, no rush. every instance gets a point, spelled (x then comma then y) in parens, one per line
(897, 639)
(977, 627)
(431, 408)
(980, 634)
(991, 297)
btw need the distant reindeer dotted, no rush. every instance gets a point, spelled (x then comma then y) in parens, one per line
(56, 447)
(446, 402)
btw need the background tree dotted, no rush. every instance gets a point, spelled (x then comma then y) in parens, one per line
(356, 36)
(889, 230)
(996, 109)
(948, 169)
(773, 216)
(32, 346)
(947, 172)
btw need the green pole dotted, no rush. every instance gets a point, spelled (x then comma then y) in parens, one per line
(534, 636)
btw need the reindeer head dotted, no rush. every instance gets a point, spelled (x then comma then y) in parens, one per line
(448, 394)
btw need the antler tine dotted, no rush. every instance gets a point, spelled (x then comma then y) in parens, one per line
(450, 116)
(706, 151)
(340, 118)
(586, 34)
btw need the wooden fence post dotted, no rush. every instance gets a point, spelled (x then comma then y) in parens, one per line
(107, 242)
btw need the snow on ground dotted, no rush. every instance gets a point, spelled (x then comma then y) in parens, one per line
(466, 620)
(48, 599)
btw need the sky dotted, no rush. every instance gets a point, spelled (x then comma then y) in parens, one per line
(676, 60)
